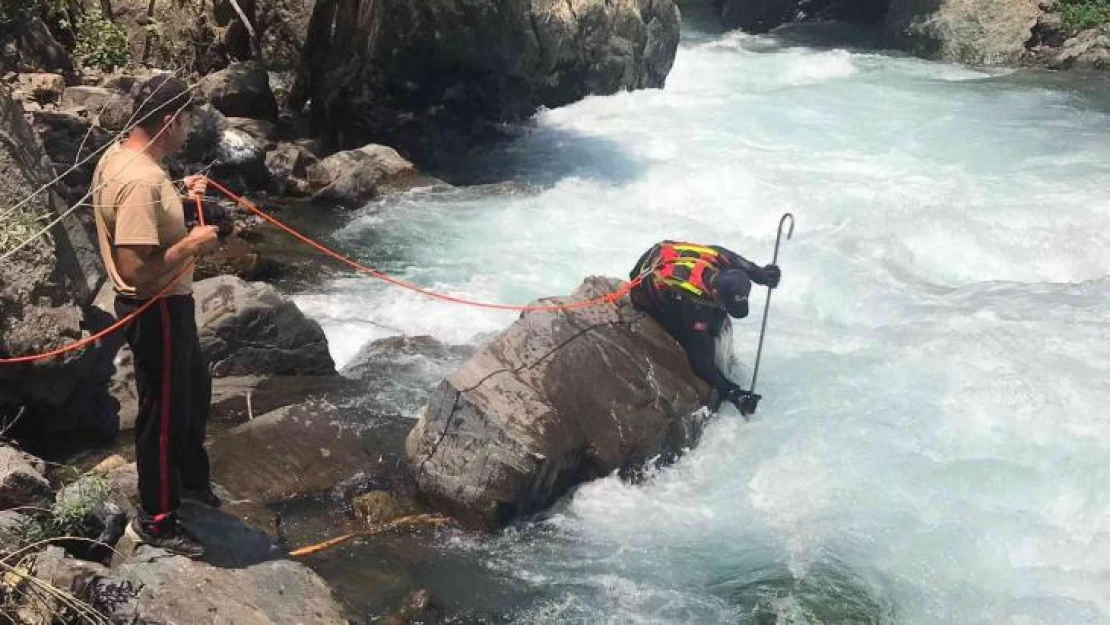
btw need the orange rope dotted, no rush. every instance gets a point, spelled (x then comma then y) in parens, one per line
(418, 519)
(85, 342)
(611, 297)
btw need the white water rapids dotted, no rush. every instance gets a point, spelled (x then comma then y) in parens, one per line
(934, 442)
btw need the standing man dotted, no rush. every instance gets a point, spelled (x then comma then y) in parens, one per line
(146, 248)
(691, 289)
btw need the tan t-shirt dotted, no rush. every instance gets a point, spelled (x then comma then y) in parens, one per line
(135, 203)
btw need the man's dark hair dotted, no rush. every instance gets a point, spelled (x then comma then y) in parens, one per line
(158, 97)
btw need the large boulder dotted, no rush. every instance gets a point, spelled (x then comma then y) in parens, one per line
(355, 177)
(557, 399)
(980, 32)
(70, 137)
(248, 328)
(42, 288)
(242, 90)
(428, 76)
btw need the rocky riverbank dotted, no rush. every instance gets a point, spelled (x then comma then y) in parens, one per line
(1054, 34)
(288, 432)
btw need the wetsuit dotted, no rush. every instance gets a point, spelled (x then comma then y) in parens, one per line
(695, 322)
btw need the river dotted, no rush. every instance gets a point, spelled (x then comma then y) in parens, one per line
(934, 442)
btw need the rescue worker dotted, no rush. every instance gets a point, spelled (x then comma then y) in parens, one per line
(147, 250)
(689, 289)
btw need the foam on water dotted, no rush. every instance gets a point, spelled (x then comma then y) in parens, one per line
(933, 440)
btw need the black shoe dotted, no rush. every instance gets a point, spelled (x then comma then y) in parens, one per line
(205, 496)
(174, 539)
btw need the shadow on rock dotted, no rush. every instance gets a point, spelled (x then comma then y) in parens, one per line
(229, 543)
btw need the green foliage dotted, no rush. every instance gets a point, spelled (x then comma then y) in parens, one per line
(1080, 14)
(71, 516)
(100, 43)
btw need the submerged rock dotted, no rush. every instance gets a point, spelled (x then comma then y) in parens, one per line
(557, 399)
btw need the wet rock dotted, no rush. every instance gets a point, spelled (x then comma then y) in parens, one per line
(557, 399)
(249, 328)
(355, 177)
(980, 32)
(202, 146)
(242, 90)
(420, 606)
(380, 507)
(288, 453)
(21, 480)
(397, 372)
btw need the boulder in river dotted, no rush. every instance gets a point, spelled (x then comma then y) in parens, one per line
(557, 399)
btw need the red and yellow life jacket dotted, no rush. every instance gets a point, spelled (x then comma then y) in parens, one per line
(687, 267)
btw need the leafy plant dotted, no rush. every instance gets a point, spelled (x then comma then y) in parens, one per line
(71, 516)
(101, 43)
(1080, 14)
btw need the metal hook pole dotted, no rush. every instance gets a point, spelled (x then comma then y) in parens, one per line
(767, 304)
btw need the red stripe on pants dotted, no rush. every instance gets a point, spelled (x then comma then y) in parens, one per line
(164, 438)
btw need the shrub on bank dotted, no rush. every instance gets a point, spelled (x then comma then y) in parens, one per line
(1080, 14)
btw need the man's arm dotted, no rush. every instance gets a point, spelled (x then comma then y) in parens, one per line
(144, 264)
(701, 348)
(765, 276)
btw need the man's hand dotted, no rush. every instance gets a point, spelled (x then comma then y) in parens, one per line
(201, 239)
(195, 185)
(744, 401)
(771, 276)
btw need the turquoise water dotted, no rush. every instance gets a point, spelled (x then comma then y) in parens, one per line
(933, 442)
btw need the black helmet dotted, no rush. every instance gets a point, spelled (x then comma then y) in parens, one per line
(732, 289)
